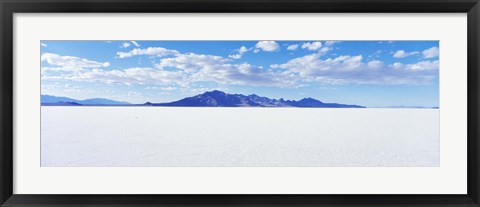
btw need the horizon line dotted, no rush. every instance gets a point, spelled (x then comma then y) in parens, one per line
(150, 102)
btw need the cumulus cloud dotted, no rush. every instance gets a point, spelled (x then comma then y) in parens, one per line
(353, 69)
(267, 46)
(292, 47)
(321, 48)
(69, 63)
(235, 56)
(244, 74)
(240, 53)
(191, 62)
(184, 69)
(431, 52)
(128, 76)
(375, 64)
(403, 54)
(243, 49)
(150, 51)
(312, 64)
(330, 43)
(43, 44)
(312, 45)
(423, 65)
(218, 69)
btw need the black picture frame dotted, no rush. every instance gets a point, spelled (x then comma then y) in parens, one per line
(9, 7)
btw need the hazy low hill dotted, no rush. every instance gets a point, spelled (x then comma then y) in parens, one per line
(48, 100)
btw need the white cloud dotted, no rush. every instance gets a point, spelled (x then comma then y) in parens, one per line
(184, 69)
(375, 64)
(397, 65)
(330, 43)
(324, 50)
(43, 44)
(311, 64)
(191, 62)
(236, 56)
(403, 54)
(64, 69)
(431, 52)
(423, 65)
(292, 47)
(135, 43)
(312, 45)
(69, 63)
(125, 45)
(130, 76)
(243, 49)
(318, 46)
(267, 46)
(151, 51)
(352, 69)
(240, 53)
(218, 69)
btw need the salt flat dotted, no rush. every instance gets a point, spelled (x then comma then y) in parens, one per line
(176, 136)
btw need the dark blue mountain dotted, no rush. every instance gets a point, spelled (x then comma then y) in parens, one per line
(221, 99)
(213, 98)
(48, 100)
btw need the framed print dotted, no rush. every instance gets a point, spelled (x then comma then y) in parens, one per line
(265, 103)
(230, 129)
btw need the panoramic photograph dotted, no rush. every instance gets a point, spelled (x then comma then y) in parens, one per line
(264, 103)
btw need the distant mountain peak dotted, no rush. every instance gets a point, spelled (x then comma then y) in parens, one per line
(310, 100)
(218, 98)
(215, 92)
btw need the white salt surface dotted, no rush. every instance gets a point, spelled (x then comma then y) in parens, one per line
(170, 136)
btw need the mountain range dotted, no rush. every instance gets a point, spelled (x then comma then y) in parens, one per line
(64, 101)
(221, 99)
(208, 99)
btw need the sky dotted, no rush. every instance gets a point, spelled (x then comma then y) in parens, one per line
(367, 73)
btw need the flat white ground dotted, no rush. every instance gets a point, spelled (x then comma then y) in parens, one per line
(170, 136)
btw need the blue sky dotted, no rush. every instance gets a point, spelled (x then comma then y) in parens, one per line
(368, 73)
